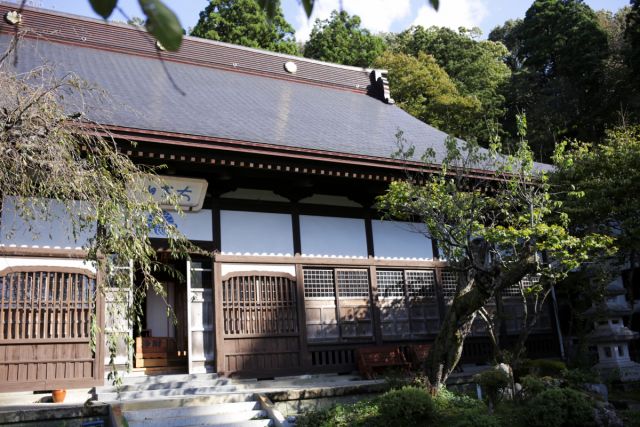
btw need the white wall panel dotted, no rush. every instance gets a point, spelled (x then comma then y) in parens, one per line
(281, 268)
(332, 237)
(401, 240)
(53, 229)
(6, 262)
(256, 233)
(194, 225)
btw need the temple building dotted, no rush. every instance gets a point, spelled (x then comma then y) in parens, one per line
(277, 161)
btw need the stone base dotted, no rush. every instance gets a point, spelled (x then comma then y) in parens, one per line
(627, 372)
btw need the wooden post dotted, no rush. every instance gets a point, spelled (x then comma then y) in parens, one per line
(305, 356)
(218, 316)
(188, 320)
(375, 305)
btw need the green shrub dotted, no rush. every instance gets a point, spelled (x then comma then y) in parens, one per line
(472, 418)
(406, 406)
(546, 367)
(560, 407)
(494, 382)
(447, 400)
(362, 413)
(533, 386)
(316, 418)
(577, 377)
(459, 410)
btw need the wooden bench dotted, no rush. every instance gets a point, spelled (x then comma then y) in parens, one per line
(417, 355)
(371, 359)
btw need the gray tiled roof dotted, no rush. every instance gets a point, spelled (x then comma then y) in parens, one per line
(231, 105)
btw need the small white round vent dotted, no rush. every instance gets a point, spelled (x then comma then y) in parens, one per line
(13, 17)
(290, 67)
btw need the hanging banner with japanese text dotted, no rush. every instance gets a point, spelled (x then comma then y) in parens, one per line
(188, 193)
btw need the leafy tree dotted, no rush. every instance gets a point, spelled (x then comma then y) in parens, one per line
(620, 85)
(632, 35)
(476, 67)
(492, 234)
(340, 39)
(245, 23)
(424, 90)
(48, 157)
(599, 184)
(562, 49)
(508, 35)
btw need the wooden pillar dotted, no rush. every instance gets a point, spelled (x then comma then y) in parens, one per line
(375, 305)
(442, 306)
(305, 356)
(98, 372)
(218, 316)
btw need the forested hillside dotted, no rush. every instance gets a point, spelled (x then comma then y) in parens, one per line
(570, 69)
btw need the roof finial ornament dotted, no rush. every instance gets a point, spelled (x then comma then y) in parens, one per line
(380, 86)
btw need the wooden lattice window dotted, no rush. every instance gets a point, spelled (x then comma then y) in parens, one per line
(514, 290)
(407, 302)
(46, 303)
(449, 284)
(259, 304)
(318, 283)
(337, 304)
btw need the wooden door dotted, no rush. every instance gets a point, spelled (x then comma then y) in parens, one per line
(46, 320)
(260, 327)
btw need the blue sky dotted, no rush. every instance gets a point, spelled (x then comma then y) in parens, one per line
(377, 15)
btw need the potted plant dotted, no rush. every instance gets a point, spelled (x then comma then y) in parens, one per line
(58, 395)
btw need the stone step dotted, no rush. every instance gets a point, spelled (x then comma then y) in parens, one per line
(196, 383)
(182, 401)
(197, 420)
(251, 423)
(152, 379)
(211, 409)
(166, 392)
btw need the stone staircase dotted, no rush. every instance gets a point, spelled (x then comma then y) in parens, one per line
(186, 400)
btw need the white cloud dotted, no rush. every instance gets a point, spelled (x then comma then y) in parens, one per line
(453, 14)
(376, 15)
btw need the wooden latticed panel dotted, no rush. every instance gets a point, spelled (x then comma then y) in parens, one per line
(260, 323)
(259, 304)
(46, 317)
(408, 304)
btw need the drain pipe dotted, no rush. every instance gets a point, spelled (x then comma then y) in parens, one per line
(557, 321)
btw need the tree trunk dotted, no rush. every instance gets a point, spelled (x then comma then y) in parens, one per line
(481, 286)
(447, 348)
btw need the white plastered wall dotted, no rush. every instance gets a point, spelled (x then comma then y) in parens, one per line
(333, 237)
(401, 240)
(256, 233)
(53, 230)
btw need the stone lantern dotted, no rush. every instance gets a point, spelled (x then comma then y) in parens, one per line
(612, 337)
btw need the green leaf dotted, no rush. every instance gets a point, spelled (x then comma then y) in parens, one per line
(162, 23)
(308, 7)
(435, 4)
(103, 8)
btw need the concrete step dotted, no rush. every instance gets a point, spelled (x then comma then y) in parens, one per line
(211, 409)
(197, 420)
